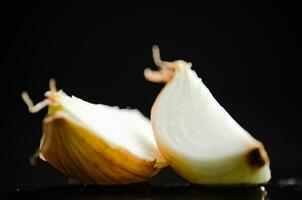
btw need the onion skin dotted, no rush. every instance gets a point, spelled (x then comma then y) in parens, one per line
(80, 154)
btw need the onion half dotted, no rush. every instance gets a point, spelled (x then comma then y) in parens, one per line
(96, 143)
(197, 136)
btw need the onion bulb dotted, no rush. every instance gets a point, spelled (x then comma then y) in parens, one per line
(96, 144)
(197, 136)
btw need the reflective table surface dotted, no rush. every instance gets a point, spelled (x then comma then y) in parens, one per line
(290, 188)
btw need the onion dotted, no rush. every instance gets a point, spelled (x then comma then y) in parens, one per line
(96, 144)
(197, 136)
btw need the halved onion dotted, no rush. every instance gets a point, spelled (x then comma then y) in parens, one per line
(197, 136)
(96, 143)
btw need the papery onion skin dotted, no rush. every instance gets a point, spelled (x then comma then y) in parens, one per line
(78, 153)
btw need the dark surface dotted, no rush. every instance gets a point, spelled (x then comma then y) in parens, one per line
(286, 189)
(247, 55)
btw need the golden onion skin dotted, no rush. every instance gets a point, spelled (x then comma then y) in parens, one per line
(79, 153)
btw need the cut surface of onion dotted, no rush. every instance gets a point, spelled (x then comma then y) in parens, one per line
(197, 136)
(96, 143)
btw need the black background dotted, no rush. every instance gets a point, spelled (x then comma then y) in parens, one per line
(247, 55)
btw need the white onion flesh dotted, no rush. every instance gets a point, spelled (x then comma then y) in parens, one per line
(199, 139)
(121, 128)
